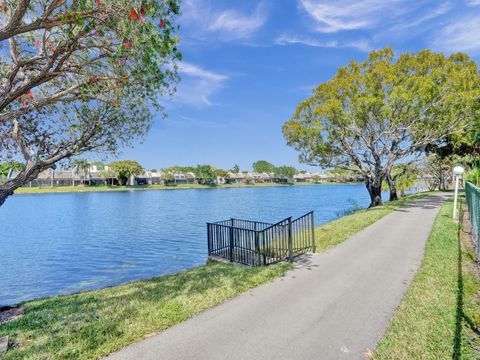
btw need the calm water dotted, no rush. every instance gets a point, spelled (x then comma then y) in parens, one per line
(61, 243)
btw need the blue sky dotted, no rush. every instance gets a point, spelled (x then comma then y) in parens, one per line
(247, 64)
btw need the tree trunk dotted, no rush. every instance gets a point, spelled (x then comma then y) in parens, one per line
(30, 173)
(6, 190)
(392, 187)
(374, 187)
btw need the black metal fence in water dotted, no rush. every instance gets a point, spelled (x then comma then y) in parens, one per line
(257, 243)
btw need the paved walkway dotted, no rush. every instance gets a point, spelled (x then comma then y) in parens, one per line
(336, 305)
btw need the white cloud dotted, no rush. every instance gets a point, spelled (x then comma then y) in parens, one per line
(333, 16)
(238, 25)
(442, 9)
(203, 21)
(462, 34)
(197, 85)
(382, 15)
(362, 44)
(473, 2)
(198, 72)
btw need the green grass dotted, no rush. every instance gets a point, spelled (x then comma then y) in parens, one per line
(337, 231)
(440, 314)
(93, 324)
(57, 189)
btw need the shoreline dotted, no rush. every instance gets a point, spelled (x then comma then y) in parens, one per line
(104, 188)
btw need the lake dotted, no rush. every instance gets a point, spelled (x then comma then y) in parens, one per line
(68, 242)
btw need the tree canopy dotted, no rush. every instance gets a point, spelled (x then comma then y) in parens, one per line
(124, 169)
(263, 166)
(373, 114)
(205, 174)
(79, 76)
(285, 171)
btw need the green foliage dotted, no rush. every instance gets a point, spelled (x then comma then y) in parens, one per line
(205, 174)
(220, 173)
(81, 167)
(285, 171)
(100, 165)
(403, 176)
(439, 170)
(6, 166)
(153, 170)
(124, 169)
(235, 169)
(168, 178)
(316, 178)
(473, 176)
(373, 114)
(263, 166)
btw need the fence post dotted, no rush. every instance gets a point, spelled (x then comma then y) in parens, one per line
(209, 239)
(257, 247)
(290, 250)
(231, 240)
(312, 219)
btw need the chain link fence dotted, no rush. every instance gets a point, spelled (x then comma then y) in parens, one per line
(472, 194)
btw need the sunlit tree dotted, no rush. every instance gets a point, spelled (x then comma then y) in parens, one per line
(79, 76)
(374, 114)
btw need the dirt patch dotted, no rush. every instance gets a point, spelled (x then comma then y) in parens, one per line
(8, 313)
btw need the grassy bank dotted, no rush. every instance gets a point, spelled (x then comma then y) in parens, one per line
(439, 317)
(337, 231)
(93, 324)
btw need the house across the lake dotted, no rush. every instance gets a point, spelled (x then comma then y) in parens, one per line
(103, 175)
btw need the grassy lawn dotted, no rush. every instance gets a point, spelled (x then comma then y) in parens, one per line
(339, 230)
(439, 317)
(93, 324)
(56, 189)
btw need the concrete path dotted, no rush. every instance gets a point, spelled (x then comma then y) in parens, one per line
(335, 305)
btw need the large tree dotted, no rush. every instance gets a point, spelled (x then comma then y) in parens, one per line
(205, 174)
(384, 110)
(81, 75)
(285, 171)
(263, 166)
(124, 169)
(81, 168)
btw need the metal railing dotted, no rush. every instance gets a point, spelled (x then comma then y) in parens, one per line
(257, 243)
(472, 194)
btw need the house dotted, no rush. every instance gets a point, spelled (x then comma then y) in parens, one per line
(147, 178)
(266, 178)
(180, 178)
(302, 177)
(235, 178)
(190, 176)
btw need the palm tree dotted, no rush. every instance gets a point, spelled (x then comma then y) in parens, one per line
(82, 169)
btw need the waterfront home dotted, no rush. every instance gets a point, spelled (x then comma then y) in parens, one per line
(235, 178)
(147, 178)
(302, 177)
(190, 177)
(180, 178)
